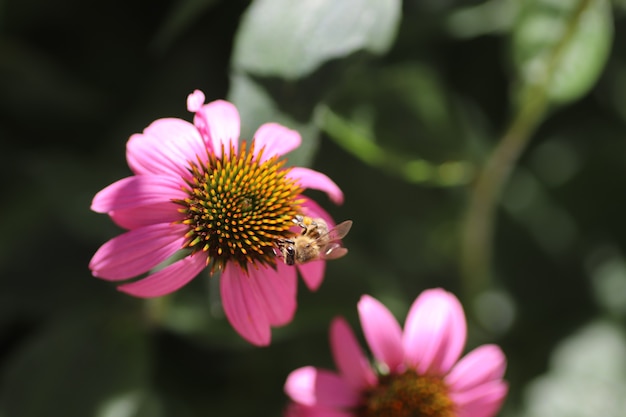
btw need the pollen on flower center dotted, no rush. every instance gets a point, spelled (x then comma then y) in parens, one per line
(238, 206)
(407, 395)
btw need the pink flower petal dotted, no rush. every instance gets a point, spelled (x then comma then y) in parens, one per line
(219, 124)
(484, 401)
(137, 251)
(275, 139)
(382, 332)
(275, 290)
(312, 386)
(434, 332)
(195, 101)
(309, 178)
(133, 218)
(243, 306)
(312, 273)
(349, 357)
(299, 410)
(168, 279)
(165, 148)
(483, 364)
(137, 191)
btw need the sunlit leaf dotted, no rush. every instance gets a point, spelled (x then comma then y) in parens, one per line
(562, 46)
(290, 39)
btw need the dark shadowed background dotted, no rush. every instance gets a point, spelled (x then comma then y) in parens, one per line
(401, 103)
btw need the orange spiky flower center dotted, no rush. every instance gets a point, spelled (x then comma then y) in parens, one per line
(238, 206)
(407, 395)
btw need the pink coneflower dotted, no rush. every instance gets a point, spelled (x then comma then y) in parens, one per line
(417, 374)
(222, 203)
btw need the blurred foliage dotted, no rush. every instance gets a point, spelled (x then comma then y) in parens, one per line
(414, 108)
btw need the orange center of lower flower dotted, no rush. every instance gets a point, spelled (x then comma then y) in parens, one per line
(407, 395)
(238, 207)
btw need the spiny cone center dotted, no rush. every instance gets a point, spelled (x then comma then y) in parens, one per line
(238, 207)
(408, 395)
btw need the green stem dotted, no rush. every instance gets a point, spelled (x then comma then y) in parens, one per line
(479, 223)
(477, 238)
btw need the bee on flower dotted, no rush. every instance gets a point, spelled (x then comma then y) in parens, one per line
(225, 204)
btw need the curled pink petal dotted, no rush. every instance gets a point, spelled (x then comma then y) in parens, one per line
(308, 178)
(243, 307)
(137, 251)
(275, 139)
(434, 332)
(195, 101)
(311, 386)
(483, 401)
(275, 290)
(135, 217)
(483, 364)
(166, 147)
(382, 332)
(349, 357)
(137, 191)
(219, 124)
(168, 279)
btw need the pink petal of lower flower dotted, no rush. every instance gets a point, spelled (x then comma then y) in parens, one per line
(349, 357)
(299, 410)
(484, 401)
(165, 148)
(275, 139)
(137, 191)
(243, 308)
(136, 217)
(219, 123)
(137, 251)
(312, 274)
(434, 332)
(382, 332)
(309, 178)
(312, 386)
(168, 279)
(483, 364)
(275, 290)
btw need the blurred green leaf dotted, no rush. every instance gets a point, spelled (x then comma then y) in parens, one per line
(488, 17)
(75, 368)
(561, 46)
(586, 377)
(304, 34)
(357, 138)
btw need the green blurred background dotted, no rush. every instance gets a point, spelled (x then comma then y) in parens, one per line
(402, 104)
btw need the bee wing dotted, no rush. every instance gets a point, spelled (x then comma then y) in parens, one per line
(339, 231)
(333, 251)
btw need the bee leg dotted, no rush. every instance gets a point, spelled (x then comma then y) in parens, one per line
(282, 242)
(299, 221)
